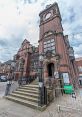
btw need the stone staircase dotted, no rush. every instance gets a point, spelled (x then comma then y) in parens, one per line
(27, 95)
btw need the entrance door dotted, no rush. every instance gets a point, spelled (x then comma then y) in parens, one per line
(50, 68)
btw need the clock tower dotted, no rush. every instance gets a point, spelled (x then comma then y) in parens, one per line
(52, 43)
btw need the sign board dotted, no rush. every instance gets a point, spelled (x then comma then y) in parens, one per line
(40, 84)
(66, 78)
(56, 74)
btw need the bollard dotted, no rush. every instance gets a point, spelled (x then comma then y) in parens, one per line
(58, 108)
(7, 89)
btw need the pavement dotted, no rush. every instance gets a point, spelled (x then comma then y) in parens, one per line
(2, 88)
(3, 85)
(69, 107)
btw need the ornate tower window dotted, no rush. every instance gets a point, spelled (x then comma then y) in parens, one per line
(49, 45)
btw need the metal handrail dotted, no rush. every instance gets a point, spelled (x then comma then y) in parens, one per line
(60, 106)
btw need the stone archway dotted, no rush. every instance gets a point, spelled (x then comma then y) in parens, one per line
(50, 69)
(47, 63)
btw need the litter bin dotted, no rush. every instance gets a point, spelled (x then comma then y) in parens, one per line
(68, 89)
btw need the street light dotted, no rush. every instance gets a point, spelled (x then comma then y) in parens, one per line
(12, 68)
(56, 74)
(41, 81)
(41, 68)
(21, 63)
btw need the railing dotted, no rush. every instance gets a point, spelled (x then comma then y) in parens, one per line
(10, 87)
(66, 111)
(24, 81)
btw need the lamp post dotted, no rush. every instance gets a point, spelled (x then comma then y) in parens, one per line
(21, 70)
(13, 64)
(56, 74)
(41, 81)
(11, 75)
(57, 56)
(41, 68)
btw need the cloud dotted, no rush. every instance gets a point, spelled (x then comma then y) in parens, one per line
(29, 1)
(19, 19)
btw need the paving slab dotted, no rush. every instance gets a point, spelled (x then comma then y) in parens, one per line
(12, 109)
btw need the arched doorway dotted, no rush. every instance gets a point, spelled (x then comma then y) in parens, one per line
(50, 68)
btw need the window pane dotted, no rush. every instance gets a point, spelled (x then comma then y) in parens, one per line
(53, 47)
(45, 49)
(52, 44)
(45, 42)
(48, 41)
(80, 68)
(52, 40)
(53, 51)
(48, 48)
(45, 46)
(48, 45)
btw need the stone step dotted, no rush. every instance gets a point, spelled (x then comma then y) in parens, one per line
(26, 93)
(35, 82)
(24, 97)
(29, 91)
(26, 103)
(29, 88)
(22, 101)
(31, 85)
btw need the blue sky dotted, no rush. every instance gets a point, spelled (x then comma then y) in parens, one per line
(19, 19)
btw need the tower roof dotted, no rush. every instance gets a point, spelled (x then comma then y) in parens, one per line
(49, 7)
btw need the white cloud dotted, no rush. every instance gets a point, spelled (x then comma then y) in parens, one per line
(19, 19)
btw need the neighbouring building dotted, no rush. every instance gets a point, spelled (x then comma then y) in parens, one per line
(79, 66)
(6, 68)
(26, 61)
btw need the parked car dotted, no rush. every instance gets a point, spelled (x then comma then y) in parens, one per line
(3, 79)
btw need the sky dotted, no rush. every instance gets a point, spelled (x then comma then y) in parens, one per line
(19, 19)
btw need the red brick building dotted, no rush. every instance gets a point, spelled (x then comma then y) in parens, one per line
(26, 60)
(52, 39)
(58, 55)
(79, 66)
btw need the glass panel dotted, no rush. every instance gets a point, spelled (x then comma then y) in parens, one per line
(45, 46)
(45, 42)
(48, 48)
(52, 44)
(48, 41)
(52, 40)
(53, 51)
(45, 49)
(53, 47)
(80, 68)
(48, 45)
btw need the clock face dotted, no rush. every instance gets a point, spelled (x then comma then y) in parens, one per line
(48, 15)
